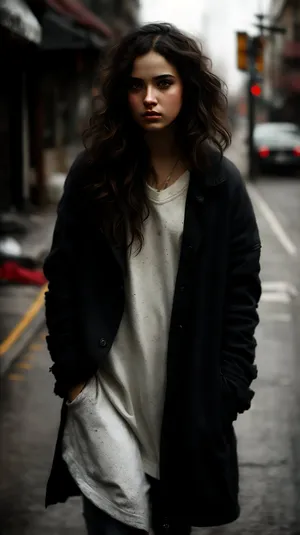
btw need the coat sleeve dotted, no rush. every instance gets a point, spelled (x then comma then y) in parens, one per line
(240, 315)
(69, 368)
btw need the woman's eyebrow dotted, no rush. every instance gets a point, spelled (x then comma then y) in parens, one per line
(161, 76)
(157, 78)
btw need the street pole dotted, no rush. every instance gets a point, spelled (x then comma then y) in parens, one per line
(250, 59)
(251, 111)
(252, 79)
(261, 18)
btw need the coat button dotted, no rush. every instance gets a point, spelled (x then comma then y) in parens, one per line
(182, 288)
(102, 342)
(166, 526)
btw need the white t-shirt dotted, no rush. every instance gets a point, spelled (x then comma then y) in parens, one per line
(112, 435)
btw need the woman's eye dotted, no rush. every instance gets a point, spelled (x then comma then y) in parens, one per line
(135, 86)
(164, 84)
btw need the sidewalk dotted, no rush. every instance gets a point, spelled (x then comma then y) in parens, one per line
(22, 306)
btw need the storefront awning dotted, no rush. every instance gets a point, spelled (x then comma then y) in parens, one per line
(68, 24)
(16, 16)
(60, 33)
(81, 15)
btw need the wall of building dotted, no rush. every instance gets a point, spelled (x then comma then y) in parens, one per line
(278, 88)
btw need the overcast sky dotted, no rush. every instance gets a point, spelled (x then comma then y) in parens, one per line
(214, 22)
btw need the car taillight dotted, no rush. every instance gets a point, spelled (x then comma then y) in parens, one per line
(264, 152)
(297, 151)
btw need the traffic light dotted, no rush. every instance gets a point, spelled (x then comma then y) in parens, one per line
(258, 44)
(242, 51)
(255, 90)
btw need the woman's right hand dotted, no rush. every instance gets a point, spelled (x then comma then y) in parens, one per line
(75, 391)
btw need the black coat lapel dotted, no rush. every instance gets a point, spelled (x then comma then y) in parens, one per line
(201, 186)
(193, 229)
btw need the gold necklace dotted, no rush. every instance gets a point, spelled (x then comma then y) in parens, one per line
(166, 183)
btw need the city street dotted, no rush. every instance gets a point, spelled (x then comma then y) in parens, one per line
(146, 87)
(268, 435)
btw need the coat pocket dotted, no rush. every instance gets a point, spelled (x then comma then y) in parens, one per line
(81, 396)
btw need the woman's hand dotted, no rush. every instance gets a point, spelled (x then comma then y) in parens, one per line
(75, 391)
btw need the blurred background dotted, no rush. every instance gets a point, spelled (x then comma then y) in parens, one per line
(49, 55)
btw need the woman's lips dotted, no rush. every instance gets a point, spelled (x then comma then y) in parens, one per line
(152, 116)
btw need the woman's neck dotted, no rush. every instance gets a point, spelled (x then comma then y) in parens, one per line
(166, 158)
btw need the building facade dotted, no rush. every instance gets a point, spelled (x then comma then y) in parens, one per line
(52, 50)
(20, 35)
(121, 15)
(283, 61)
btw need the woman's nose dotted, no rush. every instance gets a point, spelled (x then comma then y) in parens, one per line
(150, 97)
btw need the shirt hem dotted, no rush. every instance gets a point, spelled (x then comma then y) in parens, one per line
(101, 501)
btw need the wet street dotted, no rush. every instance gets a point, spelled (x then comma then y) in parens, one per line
(268, 434)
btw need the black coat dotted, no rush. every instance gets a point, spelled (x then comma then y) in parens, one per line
(211, 341)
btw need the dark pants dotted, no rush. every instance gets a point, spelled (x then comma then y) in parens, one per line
(100, 523)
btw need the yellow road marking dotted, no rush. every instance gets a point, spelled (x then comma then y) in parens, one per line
(29, 356)
(35, 347)
(24, 365)
(33, 310)
(16, 377)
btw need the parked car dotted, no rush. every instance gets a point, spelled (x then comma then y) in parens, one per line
(277, 146)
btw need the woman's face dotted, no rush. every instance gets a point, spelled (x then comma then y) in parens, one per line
(155, 92)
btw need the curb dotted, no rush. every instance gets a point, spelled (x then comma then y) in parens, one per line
(19, 338)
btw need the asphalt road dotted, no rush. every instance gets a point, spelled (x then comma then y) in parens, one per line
(268, 435)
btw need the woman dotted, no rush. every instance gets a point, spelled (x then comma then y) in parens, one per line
(152, 300)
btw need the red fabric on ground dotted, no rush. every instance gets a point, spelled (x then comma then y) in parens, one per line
(12, 272)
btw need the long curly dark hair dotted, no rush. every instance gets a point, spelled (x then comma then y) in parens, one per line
(115, 142)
